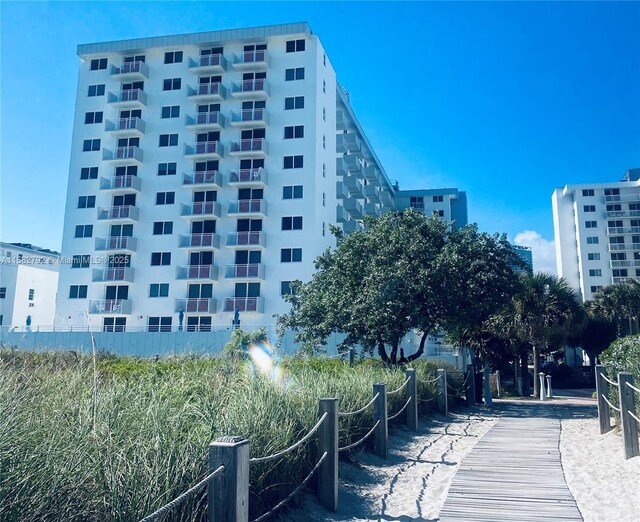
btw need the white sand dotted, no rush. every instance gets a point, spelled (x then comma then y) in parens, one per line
(412, 484)
(606, 487)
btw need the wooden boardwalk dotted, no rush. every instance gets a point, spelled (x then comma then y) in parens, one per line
(513, 474)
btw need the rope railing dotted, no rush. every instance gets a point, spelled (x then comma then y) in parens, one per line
(180, 499)
(631, 414)
(613, 383)
(637, 390)
(397, 414)
(360, 441)
(610, 405)
(429, 381)
(261, 460)
(293, 493)
(361, 410)
(398, 390)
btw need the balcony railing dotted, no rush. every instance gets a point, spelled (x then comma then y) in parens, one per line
(250, 117)
(622, 197)
(258, 86)
(248, 176)
(128, 212)
(130, 70)
(109, 306)
(207, 240)
(250, 271)
(342, 192)
(104, 244)
(209, 63)
(205, 120)
(354, 207)
(342, 215)
(197, 272)
(250, 147)
(372, 175)
(204, 149)
(244, 304)
(201, 178)
(371, 209)
(241, 239)
(352, 163)
(612, 231)
(620, 279)
(208, 91)
(122, 154)
(201, 208)
(348, 143)
(625, 263)
(125, 126)
(622, 213)
(199, 305)
(247, 206)
(130, 97)
(113, 274)
(613, 247)
(120, 183)
(354, 185)
(250, 59)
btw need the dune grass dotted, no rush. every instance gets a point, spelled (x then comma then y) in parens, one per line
(119, 450)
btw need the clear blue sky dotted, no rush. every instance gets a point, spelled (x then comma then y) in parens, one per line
(503, 100)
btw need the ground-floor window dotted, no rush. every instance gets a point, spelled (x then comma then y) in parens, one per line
(199, 323)
(114, 324)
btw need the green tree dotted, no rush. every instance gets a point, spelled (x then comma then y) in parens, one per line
(620, 304)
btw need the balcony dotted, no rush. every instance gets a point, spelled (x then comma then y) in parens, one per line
(341, 121)
(121, 183)
(251, 148)
(201, 305)
(125, 127)
(247, 208)
(353, 163)
(251, 271)
(622, 213)
(130, 71)
(132, 98)
(346, 143)
(116, 244)
(248, 177)
(109, 306)
(354, 208)
(244, 304)
(342, 192)
(341, 167)
(205, 121)
(254, 89)
(119, 213)
(207, 92)
(354, 186)
(202, 179)
(613, 231)
(342, 215)
(201, 209)
(199, 241)
(351, 226)
(372, 192)
(203, 150)
(615, 280)
(371, 209)
(245, 239)
(107, 275)
(250, 118)
(617, 247)
(123, 155)
(625, 263)
(252, 60)
(208, 64)
(622, 197)
(386, 198)
(209, 272)
(372, 175)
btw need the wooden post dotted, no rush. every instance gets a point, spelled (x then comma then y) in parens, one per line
(549, 390)
(228, 492)
(543, 393)
(488, 400)
(602, 390)
(412, 393)
(498, 384)
(629, 426)
(328, 441)
(443, 403)
(352, 353)
(470, 387)
(381, 434)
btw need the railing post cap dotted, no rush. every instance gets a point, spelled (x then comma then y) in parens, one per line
(541, 373)
(410, 370)
(625, 373)
(229, 440)
(329, 399)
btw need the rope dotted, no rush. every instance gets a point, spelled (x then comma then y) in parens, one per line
(608, 380)
(361, 440)
(633, 387)
(177, 501)
(399, 389)
(636, 418)
(428, 400)
(260, 460)
(401, 410)
(457, 390)
(349, 413)
(428, 381)
(612, 406)
(293, 493)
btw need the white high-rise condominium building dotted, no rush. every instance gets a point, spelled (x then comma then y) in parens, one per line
(597, 233)
(205, 172)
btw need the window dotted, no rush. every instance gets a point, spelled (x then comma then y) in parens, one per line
(173, 57)
(291, 255)
(294, 102)
(618, 256)
(292, 192)
(160, 258)
(416, 202)
(438, 199)
(612, 192)
(588, 192)
(98, 64)
(634, 206)
(114, 324)
(90, 145)
(324, 141)
(159, 324)
(167, 169)
(168, 140)
(32, 294)
(78, 292)
(438, 213)
(589, 208)
(324, 170)
(3, 292)
(323, 229)
(324, 86)
(96, 90)
(295, 46)
(620, 272)
(89, 173)
(294, 131)
(126, 170)
(595, 272)
(285, 288)
(616, 224)
(592, 240)
(80, 261)
(324, 59)
(294, 74)
(86, 202)
(616, 240)
(293, 162)
(324, 114)
(292, 223)
(171, 111)
(324, 199)
(614, 208)
(172, 84)
(162, 228)
(595, 289)
(198, 323)
(165, 198)
(159, 290)
(133, 59)
(84, 231)
(200, 291)
(593, 256)
(591, 224)
(92, 117)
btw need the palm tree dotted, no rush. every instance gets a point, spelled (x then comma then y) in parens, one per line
(619, 303)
